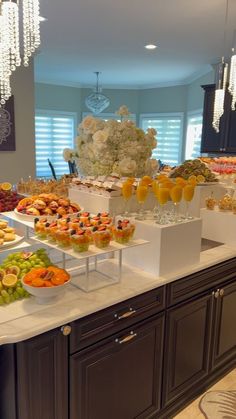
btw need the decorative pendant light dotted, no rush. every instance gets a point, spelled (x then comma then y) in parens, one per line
(220, 94)
(232, 75)
(221, 80)
(10, 39)
(96, 101)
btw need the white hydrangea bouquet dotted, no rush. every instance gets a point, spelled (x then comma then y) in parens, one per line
(110, 146)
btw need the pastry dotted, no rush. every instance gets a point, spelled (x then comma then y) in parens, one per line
(2, 234)
(1, 241)
(3, 224)
(39, 204)
(9, 230)
(9, 237)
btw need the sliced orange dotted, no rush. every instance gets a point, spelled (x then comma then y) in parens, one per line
(6, 186)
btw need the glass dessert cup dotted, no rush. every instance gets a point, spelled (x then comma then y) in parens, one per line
(127, 190)
(102, 238)
(80, 242)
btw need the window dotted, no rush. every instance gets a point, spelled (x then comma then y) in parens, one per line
(107, 116)
(54, 131)
(169, 129)
(194, 135)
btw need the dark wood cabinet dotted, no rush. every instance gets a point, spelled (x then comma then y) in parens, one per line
(144, 358)
(225, 141)
(187, 346)
(224, 333)
(42, 377)
(120, 377)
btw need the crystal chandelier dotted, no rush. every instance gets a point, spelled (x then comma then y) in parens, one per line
(96, 101)
(10, 39)
(232, 75)
(218, 109)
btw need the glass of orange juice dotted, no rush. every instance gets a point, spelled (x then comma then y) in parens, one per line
(188, 193)
(156, 209)
(141, 195)
(176, 194)
(163, 197)
(126, 190)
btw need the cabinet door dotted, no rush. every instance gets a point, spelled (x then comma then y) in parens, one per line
(231, 131)
(42, 377)
(187, 346)
(212, 142)
(224, 341)
(121, 377)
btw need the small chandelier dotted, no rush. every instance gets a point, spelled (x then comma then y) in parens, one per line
(10, 39)
(232, 75)
(96, 101)
(218, 109)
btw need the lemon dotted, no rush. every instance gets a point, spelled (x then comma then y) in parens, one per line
(6, 186)
(9, 280)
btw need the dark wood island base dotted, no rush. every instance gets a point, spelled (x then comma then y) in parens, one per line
(144, 358)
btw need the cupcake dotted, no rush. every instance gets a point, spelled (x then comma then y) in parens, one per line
(102, 237)
(79, 240)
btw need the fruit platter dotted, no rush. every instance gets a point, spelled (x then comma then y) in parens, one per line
(45, 205)
(13, 268)
(197, 168)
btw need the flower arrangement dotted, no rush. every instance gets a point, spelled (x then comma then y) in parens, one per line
(110, 146)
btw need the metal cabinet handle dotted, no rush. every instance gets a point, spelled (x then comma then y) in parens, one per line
(222, 291)
(216, 294)
(66, 330)
(131, 336)
(125, 315)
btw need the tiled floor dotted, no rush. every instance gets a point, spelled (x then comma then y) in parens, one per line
(192, 411)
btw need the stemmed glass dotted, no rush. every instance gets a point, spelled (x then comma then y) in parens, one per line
(188, 192)
(176, 195)
(127, 190)
(141, 195)
(155, 188)
(163, 196)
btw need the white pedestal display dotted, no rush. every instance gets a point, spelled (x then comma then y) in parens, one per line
(95, 203)
(219, 226)
(115, 205)
(171, 248)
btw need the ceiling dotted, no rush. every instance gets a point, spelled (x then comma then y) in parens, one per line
(83, 36)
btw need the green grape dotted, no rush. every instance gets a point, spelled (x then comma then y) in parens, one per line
(1, 301)
(37, 266)
(7, 299)
(19, 284)
(10, 291)
(20, 291)
(12, 298)
(16, 295)
(4, 293)
(26, 295)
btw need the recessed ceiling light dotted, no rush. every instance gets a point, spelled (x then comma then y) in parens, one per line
(150, 46)
(42, 19)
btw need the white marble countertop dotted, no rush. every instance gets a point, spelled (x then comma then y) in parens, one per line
(24, 319)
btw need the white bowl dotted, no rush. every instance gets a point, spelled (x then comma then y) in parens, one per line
(46, 295)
